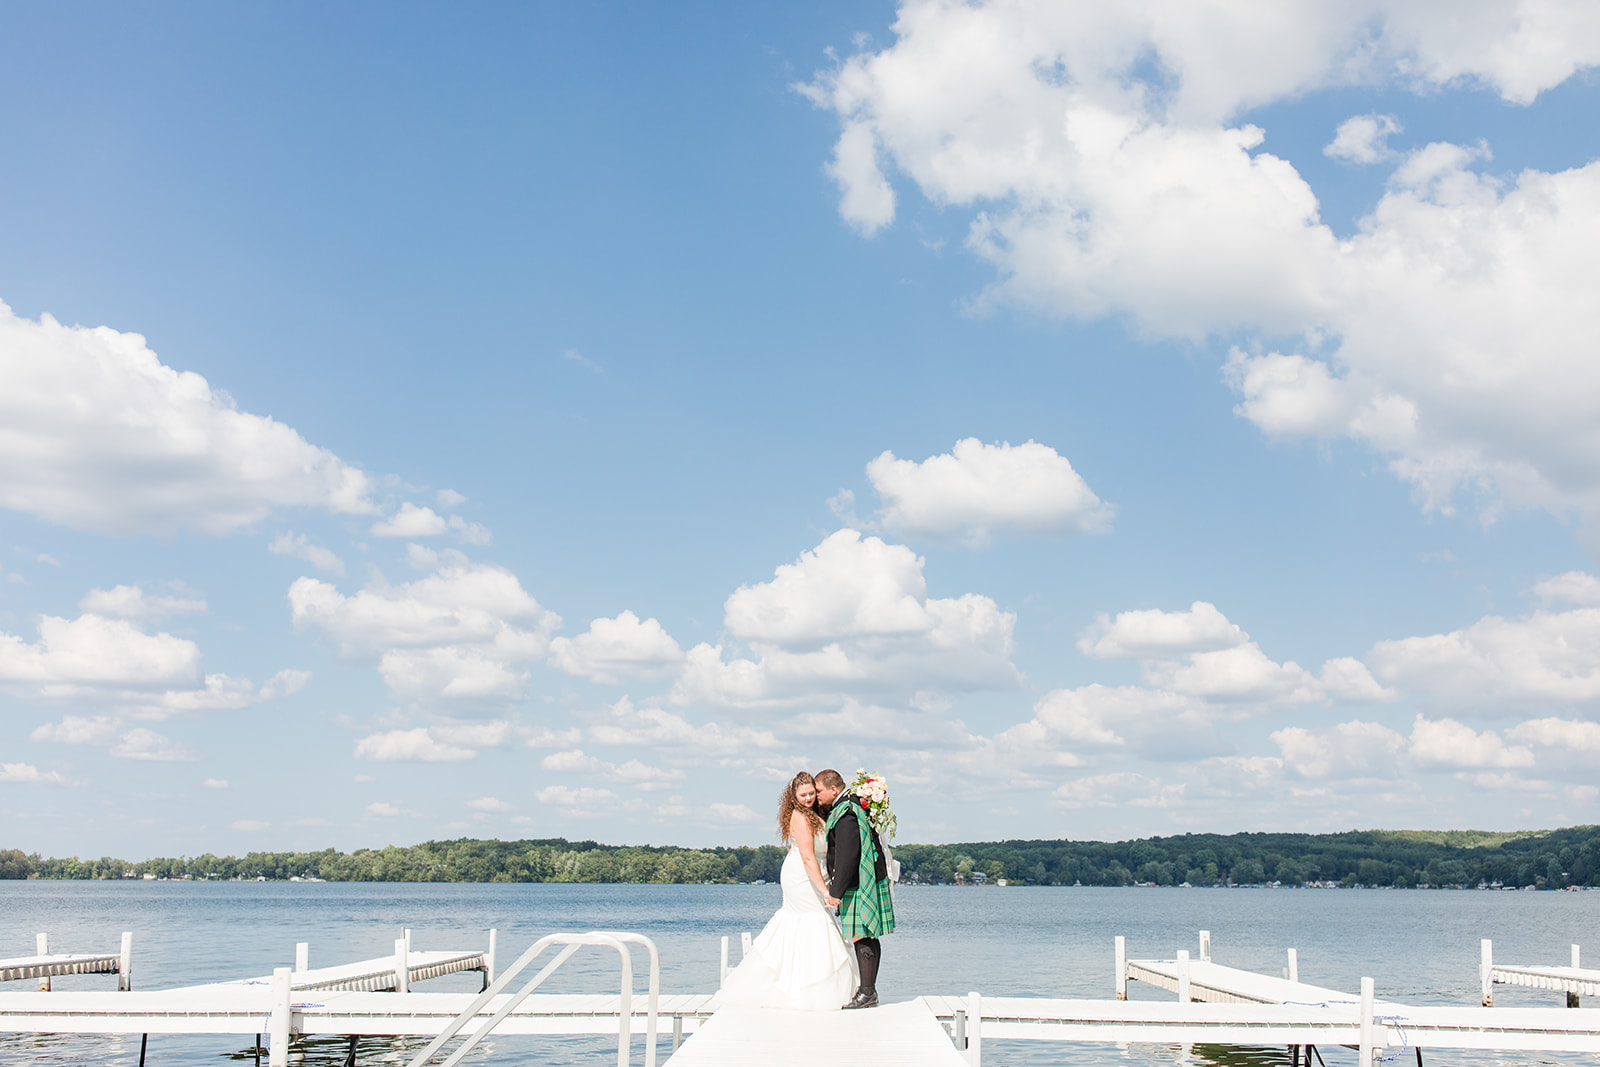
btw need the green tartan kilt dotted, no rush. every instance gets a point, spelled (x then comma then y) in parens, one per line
(867, 910)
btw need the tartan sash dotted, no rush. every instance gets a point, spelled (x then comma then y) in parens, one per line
(866, 909)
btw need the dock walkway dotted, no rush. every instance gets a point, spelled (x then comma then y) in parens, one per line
(45, 965)
(376, 975)
(244, 1010)
(1574, 981)
(894, 1035)
(1392, 1026)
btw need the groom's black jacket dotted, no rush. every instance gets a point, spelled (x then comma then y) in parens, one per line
(844, 851)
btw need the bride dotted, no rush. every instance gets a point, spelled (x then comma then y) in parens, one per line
(801, 959)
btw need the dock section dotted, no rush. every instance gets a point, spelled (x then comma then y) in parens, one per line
(45, 965)
(894, 1035)
(1574, 981)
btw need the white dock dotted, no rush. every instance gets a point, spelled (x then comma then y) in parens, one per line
(894, 1035)
(383, 974)
(45, 965)
(245, 1010)
(1574, 981)
(1216, 1005)
(1201, 979)
(1167, 1022)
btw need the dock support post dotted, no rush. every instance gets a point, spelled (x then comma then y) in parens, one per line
(744, 945)
(488, 961)
(350, 1056)
(1183, 976)
(1572, 998)
(402, 972)
(302, 956)
(974, 1029)
(41, 947)
(1205, 944)
(1368, 1031)
(1294, 966)
(677, 1032)
(278, 1019)
(1486, 971)
(1122, 968)
(144, 1046)
(125, 963)
(722, 975)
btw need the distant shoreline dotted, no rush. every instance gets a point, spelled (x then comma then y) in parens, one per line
(1401, 859)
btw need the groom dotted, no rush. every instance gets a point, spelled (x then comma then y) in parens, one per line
(858, 881)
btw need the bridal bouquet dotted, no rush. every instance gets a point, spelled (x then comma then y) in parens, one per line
(872, 791)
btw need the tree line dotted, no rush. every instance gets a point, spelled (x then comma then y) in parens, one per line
(1552, 859)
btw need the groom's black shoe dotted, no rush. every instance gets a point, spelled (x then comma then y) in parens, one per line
(863, 1000)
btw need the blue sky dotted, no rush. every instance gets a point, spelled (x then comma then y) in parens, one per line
(1103, 420)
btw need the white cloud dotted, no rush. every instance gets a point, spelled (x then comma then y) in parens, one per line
(96, 433)
(848, 617)
(623, 647)
(412, 521)
(1565, 734)
(27, 772)
(449, 499)
(1218, 660)
(409, 745)
(1448, 743)
(1159, 634)
(1287, 396)
(1247, 674)
(1348, 750)
(95, 650)
(249, 825)
(977, 491)
(1499, 663)
(132, 602)
(1573, 587)
(633, 772)
(624, 726)
(144, 744)
(112, 665)
(578, 800)
(494, 733)
(215, 783)
(488, 804)
(1154, 723)
(718, 812)
(300, 547)
(77, 730)
(468, 631)
(1116, 789)
(1451, 333)
(383, 809)
(1361, 139)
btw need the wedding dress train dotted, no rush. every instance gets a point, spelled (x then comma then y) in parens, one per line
(800, 960)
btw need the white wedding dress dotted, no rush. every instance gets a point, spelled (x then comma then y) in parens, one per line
(800, 960)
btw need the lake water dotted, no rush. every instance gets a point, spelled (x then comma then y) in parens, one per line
(1420, 946)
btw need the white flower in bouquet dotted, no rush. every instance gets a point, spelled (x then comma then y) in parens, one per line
(872, 791)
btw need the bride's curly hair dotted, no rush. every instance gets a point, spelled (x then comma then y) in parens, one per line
(790, 803)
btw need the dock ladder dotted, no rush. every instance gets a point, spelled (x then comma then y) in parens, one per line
(572, 942)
